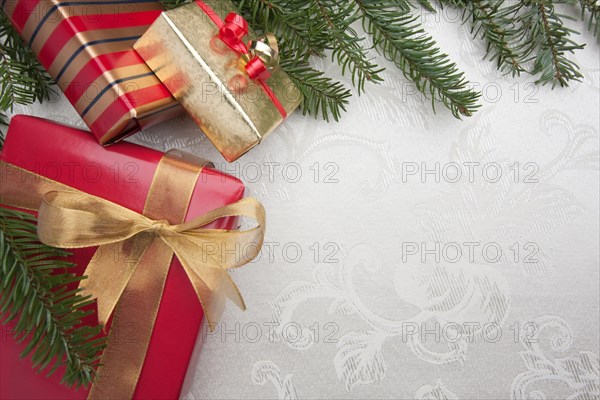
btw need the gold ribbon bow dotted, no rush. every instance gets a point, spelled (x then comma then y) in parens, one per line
(129, 269)
(77, 220)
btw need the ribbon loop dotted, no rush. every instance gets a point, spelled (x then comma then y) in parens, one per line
(233, 31)
(266, 49)
(265, 57)
(65, 223)
(256, 69)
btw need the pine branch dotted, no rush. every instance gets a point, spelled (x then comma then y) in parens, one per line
(345, 43)
(22, 78)
(547, 34)
(291, 21)
(35, 288)
(496, 25)
(401, 39)
(322, 95)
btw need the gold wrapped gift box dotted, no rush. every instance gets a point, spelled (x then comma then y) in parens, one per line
(184, 49)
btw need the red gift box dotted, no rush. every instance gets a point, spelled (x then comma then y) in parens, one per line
(121, 174)
(87, 47)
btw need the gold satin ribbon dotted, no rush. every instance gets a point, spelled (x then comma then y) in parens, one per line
(128, 271)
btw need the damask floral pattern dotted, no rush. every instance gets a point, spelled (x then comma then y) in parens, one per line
(268, 371)
(548, 376)
(437, 392)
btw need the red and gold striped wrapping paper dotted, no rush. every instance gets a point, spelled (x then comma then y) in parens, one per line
(87, 46)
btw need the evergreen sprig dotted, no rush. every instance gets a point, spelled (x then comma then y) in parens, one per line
(496, 24)
(22, 79)
(322, 95)
(292, 22)
(528, 35)
(170, 4)
(36, 295)
(550, 39)
(399, 36)
(345, 44)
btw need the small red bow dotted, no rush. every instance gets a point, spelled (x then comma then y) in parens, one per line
(232, 32)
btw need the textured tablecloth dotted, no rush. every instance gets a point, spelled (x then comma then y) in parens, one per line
(412, 255)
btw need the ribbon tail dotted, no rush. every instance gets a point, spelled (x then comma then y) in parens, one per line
(110, 270)
(132, 325)
(211, 282)
(213, 295)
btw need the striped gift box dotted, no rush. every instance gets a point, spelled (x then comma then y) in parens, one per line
(87, 46)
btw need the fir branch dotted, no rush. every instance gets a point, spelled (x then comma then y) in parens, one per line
(409, 5)
(345, 43)
(300, 36)
(322, 95)
(547, 34)
(36, 292)
(401, 39)
(22, 79)
(291, 21)
(496, 25)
